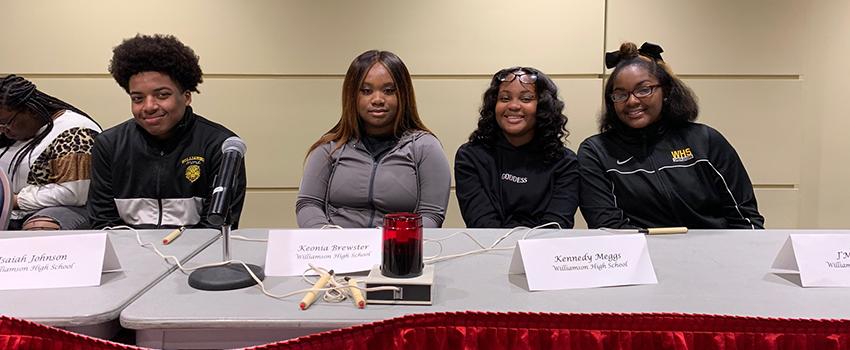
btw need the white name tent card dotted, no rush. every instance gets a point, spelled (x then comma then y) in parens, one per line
(583, 262)
(822, 260)
(59, 261)
(350, 250)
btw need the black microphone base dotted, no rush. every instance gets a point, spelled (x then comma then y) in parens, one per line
(225, 277)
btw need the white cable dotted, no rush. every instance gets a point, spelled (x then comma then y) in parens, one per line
(155, 250)
(482, 249)
(245, 265)
(619, 230)
(243, 238)
(541, 226)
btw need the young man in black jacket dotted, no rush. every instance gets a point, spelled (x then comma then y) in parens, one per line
(157, 170)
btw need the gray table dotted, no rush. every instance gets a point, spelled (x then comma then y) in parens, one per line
(94, 310)
(707, 272)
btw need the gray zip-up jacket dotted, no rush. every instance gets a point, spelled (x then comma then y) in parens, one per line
(348, 188)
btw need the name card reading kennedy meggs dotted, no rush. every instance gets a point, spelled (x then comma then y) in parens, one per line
(348, 250)
(583, 262)
(822, 260)
(55, 261)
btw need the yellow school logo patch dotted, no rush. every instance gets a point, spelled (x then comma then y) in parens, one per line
(682, 155)
(193, 172)
(193, 167)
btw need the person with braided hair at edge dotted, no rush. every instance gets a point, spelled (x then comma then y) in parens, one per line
(379, 158)
(652, 165)
(45, 148)
(515, 169)
(157, 169)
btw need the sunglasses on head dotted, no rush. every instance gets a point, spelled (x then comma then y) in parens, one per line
(523, 76)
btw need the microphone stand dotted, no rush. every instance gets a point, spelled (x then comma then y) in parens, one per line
(225, 277)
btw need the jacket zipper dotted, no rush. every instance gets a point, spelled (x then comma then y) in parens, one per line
(665, 189)
(158, 195)
(372, 188)
(375, 165)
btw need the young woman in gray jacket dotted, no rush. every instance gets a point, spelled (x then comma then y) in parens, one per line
(379, 158)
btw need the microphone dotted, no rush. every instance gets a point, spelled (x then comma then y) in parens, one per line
(233, 150)
(230, 275)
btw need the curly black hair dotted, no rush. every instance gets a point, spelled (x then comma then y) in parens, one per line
(550, 129)
(679, 105)
(156, 53)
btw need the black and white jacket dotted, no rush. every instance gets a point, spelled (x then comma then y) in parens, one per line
(665, 175)
(143, 182)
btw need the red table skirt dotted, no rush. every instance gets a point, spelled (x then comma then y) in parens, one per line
(21, 334)
(480, 330)
(485, 330)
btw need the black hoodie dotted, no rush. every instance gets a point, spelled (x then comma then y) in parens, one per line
(665, 175)
(507, 186)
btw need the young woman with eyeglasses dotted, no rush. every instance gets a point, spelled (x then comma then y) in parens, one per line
(379, 158)
(515, 169)
(651, 165)
(45, 148)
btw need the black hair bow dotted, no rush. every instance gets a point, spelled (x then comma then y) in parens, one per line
(647, 49)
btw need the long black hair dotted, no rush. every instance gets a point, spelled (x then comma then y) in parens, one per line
(18, 95)
(550, 129)
(679, 105)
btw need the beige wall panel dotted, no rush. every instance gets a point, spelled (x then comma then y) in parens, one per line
(583, 98)
(269, 209)
(827, 121)
(760, 119)
(579, 220)
(278, 119)
(311, 37)
(453, 216)
(714, 37)
(779, 207)
(101, 97)
(449, 107)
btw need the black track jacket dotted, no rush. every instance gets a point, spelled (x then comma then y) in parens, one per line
(662, 175)
(143, 182)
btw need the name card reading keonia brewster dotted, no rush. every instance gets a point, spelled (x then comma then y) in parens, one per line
(55, 261)
(348, 250)
(822, 260)
(583, 262)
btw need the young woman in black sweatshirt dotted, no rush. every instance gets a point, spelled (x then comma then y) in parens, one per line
(515, 169)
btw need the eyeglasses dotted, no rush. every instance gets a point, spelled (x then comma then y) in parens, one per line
(523, 76)
(9, 123)
(641, 92)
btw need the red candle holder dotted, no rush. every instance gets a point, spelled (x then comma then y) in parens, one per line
(402, 245)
